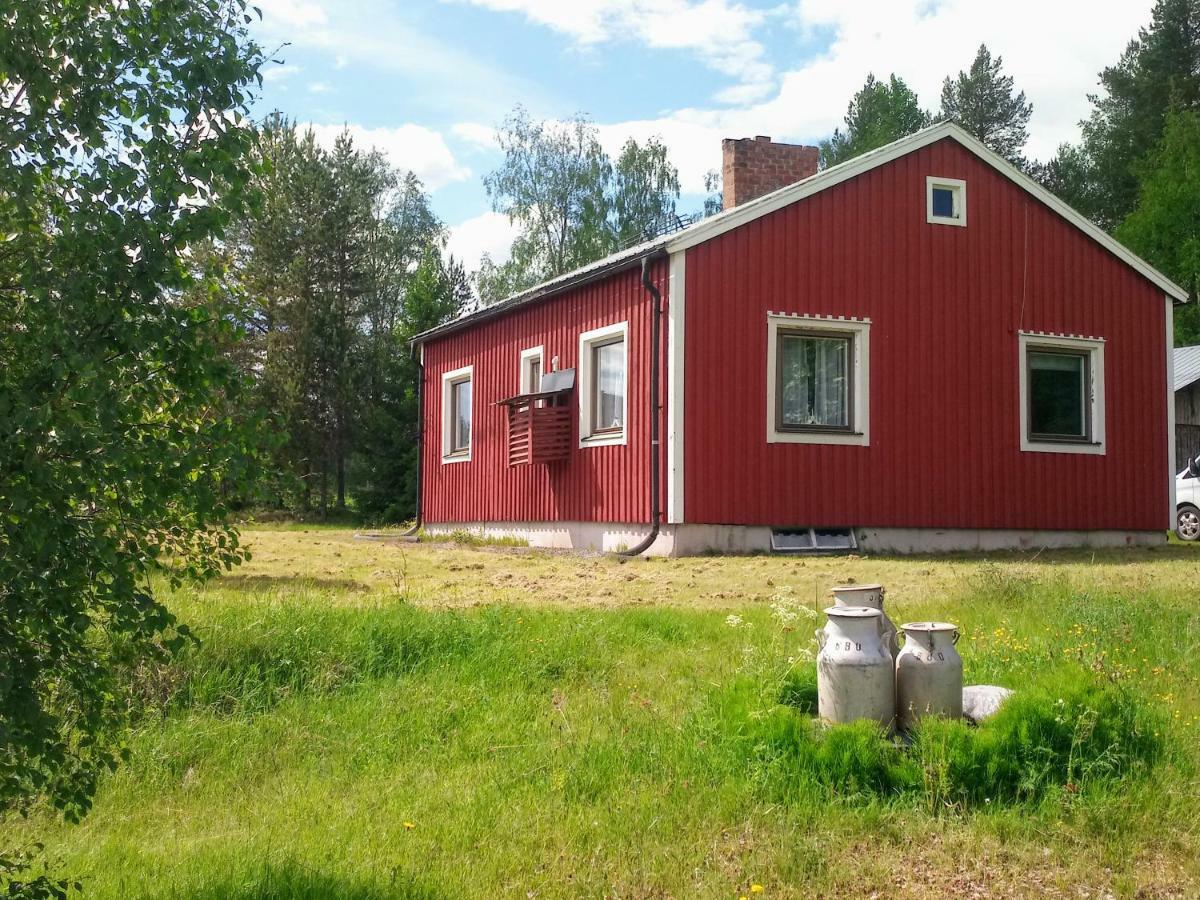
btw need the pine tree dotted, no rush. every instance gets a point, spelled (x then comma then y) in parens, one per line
(982, 101)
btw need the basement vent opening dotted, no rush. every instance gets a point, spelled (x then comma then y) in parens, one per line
(812, 540)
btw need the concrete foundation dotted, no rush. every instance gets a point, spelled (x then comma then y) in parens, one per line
(692, 540)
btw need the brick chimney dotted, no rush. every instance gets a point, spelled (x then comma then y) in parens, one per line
(753, 167)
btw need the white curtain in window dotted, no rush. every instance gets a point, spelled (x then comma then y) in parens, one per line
(814, 376)
(610, 365)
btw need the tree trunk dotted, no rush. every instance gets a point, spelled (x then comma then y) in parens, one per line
(341, 474)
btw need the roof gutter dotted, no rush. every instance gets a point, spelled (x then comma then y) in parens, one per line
(655, 405)
(549, 289)
(418, 357)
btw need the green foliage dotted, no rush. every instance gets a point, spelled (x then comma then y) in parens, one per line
(383, 467)
(1063, 733)
(643, 191)
(341, 264)
(122, 146)
(572, 203)
(1159, 67)
(982, 101)
(22, 876)
(881, 112)
(1164, 228)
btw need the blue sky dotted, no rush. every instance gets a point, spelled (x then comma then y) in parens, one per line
(426, 81)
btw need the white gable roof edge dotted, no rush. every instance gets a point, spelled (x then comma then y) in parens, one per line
(747, 212)
(709, 228)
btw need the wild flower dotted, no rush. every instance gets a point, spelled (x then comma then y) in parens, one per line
(734, 621)
(786, 609)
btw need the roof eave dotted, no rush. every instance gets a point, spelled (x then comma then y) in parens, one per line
(586, 275)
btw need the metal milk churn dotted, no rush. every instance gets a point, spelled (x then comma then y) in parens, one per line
(870, 595)
(929, 673)
(856, 678)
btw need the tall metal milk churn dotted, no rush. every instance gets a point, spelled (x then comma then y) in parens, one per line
(929, 673)
(856, 677)
(869, 595)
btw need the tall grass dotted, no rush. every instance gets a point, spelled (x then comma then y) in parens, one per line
(321, 743)
(1067, 733)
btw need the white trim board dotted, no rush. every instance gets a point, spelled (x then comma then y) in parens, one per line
(1172, 462)
(958, 188)
(860, 366)
(1095, 349)
(587, 377)
(676, 310)
(449, 379)
(538, 353)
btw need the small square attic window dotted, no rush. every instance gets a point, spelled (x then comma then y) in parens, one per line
(946, 201)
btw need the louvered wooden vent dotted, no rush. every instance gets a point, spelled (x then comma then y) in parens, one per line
(539, 428)
(539, 424)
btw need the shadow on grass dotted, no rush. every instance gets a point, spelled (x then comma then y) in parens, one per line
(294, 881)
(263, 583)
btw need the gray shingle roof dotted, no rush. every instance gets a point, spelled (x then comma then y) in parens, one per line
(1187, 366)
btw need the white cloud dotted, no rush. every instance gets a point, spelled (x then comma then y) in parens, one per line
(279, 73)
(1053, 51)
(1056, 64)
(319, 87)
(482, 137)
(293, 13)
(489, 232)
(385, 37)
(718, 32)
(414, 147)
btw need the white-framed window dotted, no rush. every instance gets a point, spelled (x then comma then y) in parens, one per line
(818, 380)
(945, 201)
(457, 419)
(603, 383)
(533, 367)
(1062, 393)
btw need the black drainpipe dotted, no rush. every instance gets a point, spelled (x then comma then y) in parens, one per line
(655, 411)
(416, 351)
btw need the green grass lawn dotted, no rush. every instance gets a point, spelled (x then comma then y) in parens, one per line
(377, 720)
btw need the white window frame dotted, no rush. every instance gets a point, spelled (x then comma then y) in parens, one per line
(449, 379)
(959, 188)
(859, 434)
(1094, 347)
(587, 377)
(527, 356)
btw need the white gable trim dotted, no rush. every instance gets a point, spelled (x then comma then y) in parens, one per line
(676, 310)
(769, 203)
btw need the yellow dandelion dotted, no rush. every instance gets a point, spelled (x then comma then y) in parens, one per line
(409, 826)
(756, 888)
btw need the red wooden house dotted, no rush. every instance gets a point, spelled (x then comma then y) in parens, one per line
(920, 349)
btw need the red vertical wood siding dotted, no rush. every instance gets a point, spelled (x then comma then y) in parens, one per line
(946, 304)
(596, 484)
